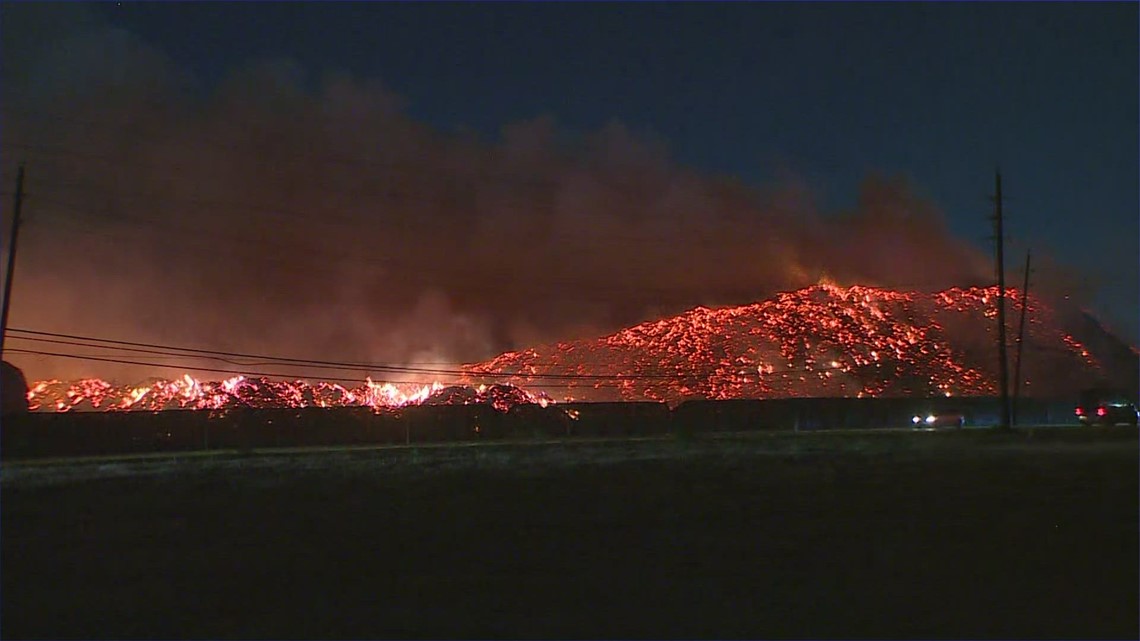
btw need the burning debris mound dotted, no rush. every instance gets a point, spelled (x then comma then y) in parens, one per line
(242, 392)
(500, 397)
(822, 341)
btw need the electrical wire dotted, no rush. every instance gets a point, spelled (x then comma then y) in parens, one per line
(193, 367)
(599, 384)
(385, 368)
(193, 353)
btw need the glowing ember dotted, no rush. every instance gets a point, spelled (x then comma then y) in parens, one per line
(189, 393)
(821, 341)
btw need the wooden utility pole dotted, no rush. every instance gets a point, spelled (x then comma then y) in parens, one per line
(17, 203)
(1020, 339)
(1003, 361)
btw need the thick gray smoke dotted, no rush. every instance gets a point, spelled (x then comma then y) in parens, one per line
(309, 215)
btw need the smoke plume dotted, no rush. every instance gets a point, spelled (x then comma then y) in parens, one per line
(299, 214)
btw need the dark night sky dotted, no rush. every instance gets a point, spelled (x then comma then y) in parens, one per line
(940, 93)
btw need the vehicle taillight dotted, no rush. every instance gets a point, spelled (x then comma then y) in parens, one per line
(1080, 411)
(1100, 411)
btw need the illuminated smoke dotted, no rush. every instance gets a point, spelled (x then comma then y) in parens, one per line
(312, 217)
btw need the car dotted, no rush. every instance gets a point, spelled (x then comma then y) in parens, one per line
(1103, 406)
(934, 420)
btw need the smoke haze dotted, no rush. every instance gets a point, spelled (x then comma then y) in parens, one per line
(306, 214)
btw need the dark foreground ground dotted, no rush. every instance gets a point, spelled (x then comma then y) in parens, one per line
(912, 535)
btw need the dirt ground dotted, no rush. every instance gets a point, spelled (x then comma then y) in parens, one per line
(915, 536)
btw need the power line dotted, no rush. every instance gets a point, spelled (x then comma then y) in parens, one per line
(596, 384)
(196, 368)
(277, 362)
(386, 368)
(139, 350)
(695, 373)
(174, 351)
(283, 376)
(601, 382)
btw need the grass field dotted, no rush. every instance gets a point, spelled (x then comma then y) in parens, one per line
(917, 535)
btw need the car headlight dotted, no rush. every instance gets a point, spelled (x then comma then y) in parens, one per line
(916, 420)
(930, 419)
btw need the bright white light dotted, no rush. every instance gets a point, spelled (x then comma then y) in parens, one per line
(915, 420)
(930, 419)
